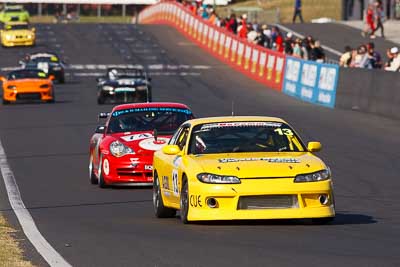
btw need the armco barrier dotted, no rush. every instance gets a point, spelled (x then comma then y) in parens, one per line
(311, 81)
(371, 91)
(259, 63)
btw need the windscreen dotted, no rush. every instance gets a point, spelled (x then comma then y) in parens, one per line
(49, 59)
(27, 74)
(13, 9)
(116, 73)
(235, 137)
(17, 27)
(165, 120)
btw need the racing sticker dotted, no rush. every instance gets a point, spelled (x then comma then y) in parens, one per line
(135, 137)
(240, 124)
(106, 167)
(175, 187)
(270, 160)
(152, 144)
(195, 201)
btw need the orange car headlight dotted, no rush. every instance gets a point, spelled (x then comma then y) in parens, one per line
(11, 87)
(44, 86)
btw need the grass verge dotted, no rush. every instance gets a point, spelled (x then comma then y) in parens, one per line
(311, 9)
(10, 252)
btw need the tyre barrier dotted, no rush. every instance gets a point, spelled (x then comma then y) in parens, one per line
(309, 81)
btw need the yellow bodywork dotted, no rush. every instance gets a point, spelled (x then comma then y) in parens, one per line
(264, 176)
(17, 34)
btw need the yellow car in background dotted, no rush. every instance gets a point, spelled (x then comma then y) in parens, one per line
(240, 168)
(17, 34)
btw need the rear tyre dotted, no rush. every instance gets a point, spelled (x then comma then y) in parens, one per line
(92, 177)
(184, 202)
(321, 221)
(159, 209)
(102, 183)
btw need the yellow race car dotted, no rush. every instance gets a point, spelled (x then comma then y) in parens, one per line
(239, 168)
(17, 34)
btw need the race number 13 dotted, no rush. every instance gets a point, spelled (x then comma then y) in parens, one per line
(175, 188)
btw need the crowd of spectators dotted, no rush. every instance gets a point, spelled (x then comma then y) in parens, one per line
(264, 35)
(365, 56)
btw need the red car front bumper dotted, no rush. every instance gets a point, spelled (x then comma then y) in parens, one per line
(128, 170)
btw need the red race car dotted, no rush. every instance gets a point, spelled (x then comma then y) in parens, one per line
(121, 151)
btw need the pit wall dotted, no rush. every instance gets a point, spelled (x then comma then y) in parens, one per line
(370, 91)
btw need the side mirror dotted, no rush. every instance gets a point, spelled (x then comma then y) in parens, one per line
(171, 149)
(314, 146)
(2, 78)
(100, 129)
(52, 77)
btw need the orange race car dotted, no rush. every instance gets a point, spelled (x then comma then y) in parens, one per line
(27, 84)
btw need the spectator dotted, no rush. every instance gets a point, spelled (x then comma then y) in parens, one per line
(297, 51)
(375, 57)
(380, 17)
(261, 39)
(242, 29)
(362, 59)
(232, 24)
(212, 17)
(278, 39)
(390, 58)
(252, 35)
(317, 53)
(346, 57)
(369, 26)
(267, 35)
(288, 44)
(395, 64)
(304, 49)
(297, 11)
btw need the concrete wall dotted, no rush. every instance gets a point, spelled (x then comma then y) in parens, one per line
(371, 91)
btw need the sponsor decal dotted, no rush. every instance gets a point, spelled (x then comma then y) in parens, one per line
(240, 124)
(270, 160)
(135, 137)
(152, 144)
(148, 167)
(163, 109)
(165, 184)
(195, 201)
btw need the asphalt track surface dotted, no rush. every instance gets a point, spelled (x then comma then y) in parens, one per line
(337, 36)
(47, 148)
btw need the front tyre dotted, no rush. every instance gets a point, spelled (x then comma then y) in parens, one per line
(102, 183)
(159, 209)
(184, 201)
(92, 177)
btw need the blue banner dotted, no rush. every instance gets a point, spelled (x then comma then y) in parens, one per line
(311, 81)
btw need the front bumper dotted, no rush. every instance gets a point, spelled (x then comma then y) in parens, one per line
(123, 97)
(22, 42)
(261, 199)
(15, 95)
(128, 170)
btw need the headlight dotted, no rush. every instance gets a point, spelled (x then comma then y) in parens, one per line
(118, 149)
(29, 36)
(210, 178)
(141, 87)
(313, 177)
(108, 88)
(11, 87)
(8, 37)
(44, 86)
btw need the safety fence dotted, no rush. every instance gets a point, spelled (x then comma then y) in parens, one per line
(309, 81)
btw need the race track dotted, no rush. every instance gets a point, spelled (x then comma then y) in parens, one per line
(47, 148)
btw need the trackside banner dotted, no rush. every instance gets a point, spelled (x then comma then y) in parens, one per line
(311, 81)
(259, 63)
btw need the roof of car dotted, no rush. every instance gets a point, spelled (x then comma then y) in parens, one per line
(234, 119)
(150, 105)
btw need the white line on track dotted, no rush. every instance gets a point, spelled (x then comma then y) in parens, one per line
(28, 225)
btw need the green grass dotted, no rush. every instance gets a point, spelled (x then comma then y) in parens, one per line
(311, 9)
(10, 252)
(85, 19)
